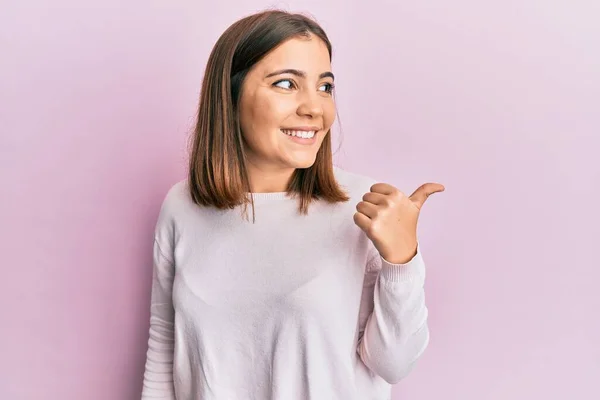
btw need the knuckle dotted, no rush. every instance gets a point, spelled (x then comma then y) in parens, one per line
(374, 228)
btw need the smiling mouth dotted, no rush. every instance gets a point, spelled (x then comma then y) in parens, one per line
(300, 133)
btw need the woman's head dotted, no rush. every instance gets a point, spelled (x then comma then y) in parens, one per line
(268, 77)
(286, 105)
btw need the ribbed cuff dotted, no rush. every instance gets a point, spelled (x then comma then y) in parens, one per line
(415, 268)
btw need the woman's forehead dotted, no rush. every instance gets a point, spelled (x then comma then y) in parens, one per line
(308, 55)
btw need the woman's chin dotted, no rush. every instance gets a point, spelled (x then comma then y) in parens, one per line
(302, 162)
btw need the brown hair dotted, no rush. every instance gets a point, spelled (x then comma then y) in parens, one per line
(217, 165)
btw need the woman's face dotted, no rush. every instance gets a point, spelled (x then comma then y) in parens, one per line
(287, 93)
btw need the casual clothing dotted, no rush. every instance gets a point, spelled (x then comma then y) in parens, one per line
(289, 307)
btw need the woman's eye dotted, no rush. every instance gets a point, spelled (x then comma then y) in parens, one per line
(282, 84)
(329, 87)
(289, 84)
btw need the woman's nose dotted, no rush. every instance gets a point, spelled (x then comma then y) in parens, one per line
(310, 105)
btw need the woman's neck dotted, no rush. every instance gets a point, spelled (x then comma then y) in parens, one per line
(269, 180)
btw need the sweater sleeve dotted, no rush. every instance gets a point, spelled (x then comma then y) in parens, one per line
(158, 374)
(393, 329)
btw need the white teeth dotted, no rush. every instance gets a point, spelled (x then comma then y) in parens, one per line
(301, 134)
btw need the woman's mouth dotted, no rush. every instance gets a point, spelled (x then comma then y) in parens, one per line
(301, 137)
(301, 134)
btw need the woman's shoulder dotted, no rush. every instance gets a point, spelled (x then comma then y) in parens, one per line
(174, 204)
(178, 192)
(175, 197)
(356, 184)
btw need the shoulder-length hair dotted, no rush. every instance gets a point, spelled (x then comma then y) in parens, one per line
(217, 166)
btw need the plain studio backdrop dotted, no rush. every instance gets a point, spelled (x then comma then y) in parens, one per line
(497, 100)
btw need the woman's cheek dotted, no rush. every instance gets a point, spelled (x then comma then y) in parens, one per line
(329, 113)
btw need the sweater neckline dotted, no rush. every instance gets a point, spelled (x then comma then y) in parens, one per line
(268, 195)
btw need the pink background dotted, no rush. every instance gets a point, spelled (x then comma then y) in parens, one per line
(499, 101)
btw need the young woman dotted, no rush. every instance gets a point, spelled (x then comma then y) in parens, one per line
(320, 294)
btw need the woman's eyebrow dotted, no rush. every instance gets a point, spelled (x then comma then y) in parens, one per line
(299, 73)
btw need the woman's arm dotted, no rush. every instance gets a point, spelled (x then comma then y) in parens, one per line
(158, 374)
(393, 316)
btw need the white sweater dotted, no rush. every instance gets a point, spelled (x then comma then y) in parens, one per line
(290, 307)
